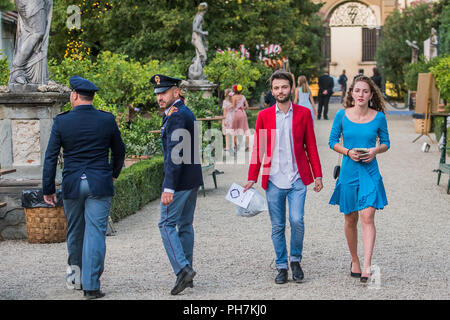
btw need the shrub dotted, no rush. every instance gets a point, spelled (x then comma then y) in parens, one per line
(136, 186)
(4, 71)
(122, 81)
(227, 69)
(442, 75)
(412, 71)
(136, 135)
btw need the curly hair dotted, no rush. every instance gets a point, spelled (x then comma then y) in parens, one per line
(377, 102)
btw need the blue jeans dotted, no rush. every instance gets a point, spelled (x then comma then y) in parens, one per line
(276, 200)
(176, 228)
(87, 220)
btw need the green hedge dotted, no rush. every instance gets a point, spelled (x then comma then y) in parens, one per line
(137, 186)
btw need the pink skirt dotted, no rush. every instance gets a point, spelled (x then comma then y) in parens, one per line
(240, 123)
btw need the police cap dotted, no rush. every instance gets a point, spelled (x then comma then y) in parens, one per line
(161, 82)
(82, 86)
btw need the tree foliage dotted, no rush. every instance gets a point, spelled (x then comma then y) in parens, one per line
(162, 30)
(6, 5)
(414, 23)
(442, 75)
(227, 69)
(122, 81)
(444, 29)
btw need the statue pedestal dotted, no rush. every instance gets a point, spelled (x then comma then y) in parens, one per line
(26, 120)
(204, 86)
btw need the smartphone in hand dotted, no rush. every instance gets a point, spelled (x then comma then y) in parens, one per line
(361, 150)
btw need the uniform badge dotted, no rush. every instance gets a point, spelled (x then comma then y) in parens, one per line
(172, 110)
(157, 80)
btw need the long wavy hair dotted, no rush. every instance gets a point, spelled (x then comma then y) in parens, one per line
(377, 102)
(302, 82)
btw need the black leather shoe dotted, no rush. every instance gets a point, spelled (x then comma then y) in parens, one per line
(183, 278)
(93, 294)
(282, 276)
(297, 272)
(190, 284)
(354, 274)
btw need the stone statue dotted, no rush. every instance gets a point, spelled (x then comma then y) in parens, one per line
(414, 50)
(199, 42)
(29, 65)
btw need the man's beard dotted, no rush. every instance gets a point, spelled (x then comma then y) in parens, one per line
(286, 99)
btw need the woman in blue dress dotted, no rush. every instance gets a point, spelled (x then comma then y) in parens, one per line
(359, 190)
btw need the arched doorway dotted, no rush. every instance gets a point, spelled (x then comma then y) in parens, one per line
(354, 28)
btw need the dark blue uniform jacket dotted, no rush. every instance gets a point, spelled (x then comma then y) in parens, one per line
(86, 136)
(182, 165)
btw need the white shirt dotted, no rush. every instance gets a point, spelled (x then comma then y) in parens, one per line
(284, 171)
(166, 112)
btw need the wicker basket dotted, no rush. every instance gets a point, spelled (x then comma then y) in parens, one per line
(46, 225)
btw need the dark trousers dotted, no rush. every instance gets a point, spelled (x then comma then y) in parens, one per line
(344, 91)
(323, 104)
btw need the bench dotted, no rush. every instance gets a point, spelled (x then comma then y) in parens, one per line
(208, 168)
(443, 167)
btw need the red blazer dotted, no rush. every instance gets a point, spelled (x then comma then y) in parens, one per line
(305, 148)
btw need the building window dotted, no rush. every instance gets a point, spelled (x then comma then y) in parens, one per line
(369, 44)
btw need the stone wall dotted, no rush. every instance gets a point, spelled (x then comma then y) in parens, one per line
(25, 125)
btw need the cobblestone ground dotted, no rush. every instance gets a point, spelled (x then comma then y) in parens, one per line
(233, 256)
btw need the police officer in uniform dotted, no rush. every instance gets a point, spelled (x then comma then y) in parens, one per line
(182, 179)
(86, 136)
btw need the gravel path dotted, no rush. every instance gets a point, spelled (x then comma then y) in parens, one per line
(233, 256)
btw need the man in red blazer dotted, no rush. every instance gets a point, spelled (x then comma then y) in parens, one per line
(285, 140)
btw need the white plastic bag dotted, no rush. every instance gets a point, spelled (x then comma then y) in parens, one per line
(256, 205)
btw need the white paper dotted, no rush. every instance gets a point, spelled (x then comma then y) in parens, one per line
(237, 195)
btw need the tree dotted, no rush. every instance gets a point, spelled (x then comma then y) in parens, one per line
(414, 23)
(162, 30)
(6, 5)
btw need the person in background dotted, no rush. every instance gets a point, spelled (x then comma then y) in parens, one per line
(269, 99)
(343, 82)
(376, 78)
(360, 74)
(303, 96)
(359, 190)
(240, 121)
(227, 122)
(326, 84)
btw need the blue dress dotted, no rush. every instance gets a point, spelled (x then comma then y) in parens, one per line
(360, 184)
(304, 100)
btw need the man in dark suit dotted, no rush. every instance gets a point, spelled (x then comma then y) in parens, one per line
(326, 84)
(86, 136)
(182, 179)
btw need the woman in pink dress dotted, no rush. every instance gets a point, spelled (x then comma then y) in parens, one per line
(240, 122)
(228, 114)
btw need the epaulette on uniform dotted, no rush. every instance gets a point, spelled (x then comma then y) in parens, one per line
(172, 110)
(105, 111)
(63, 113)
